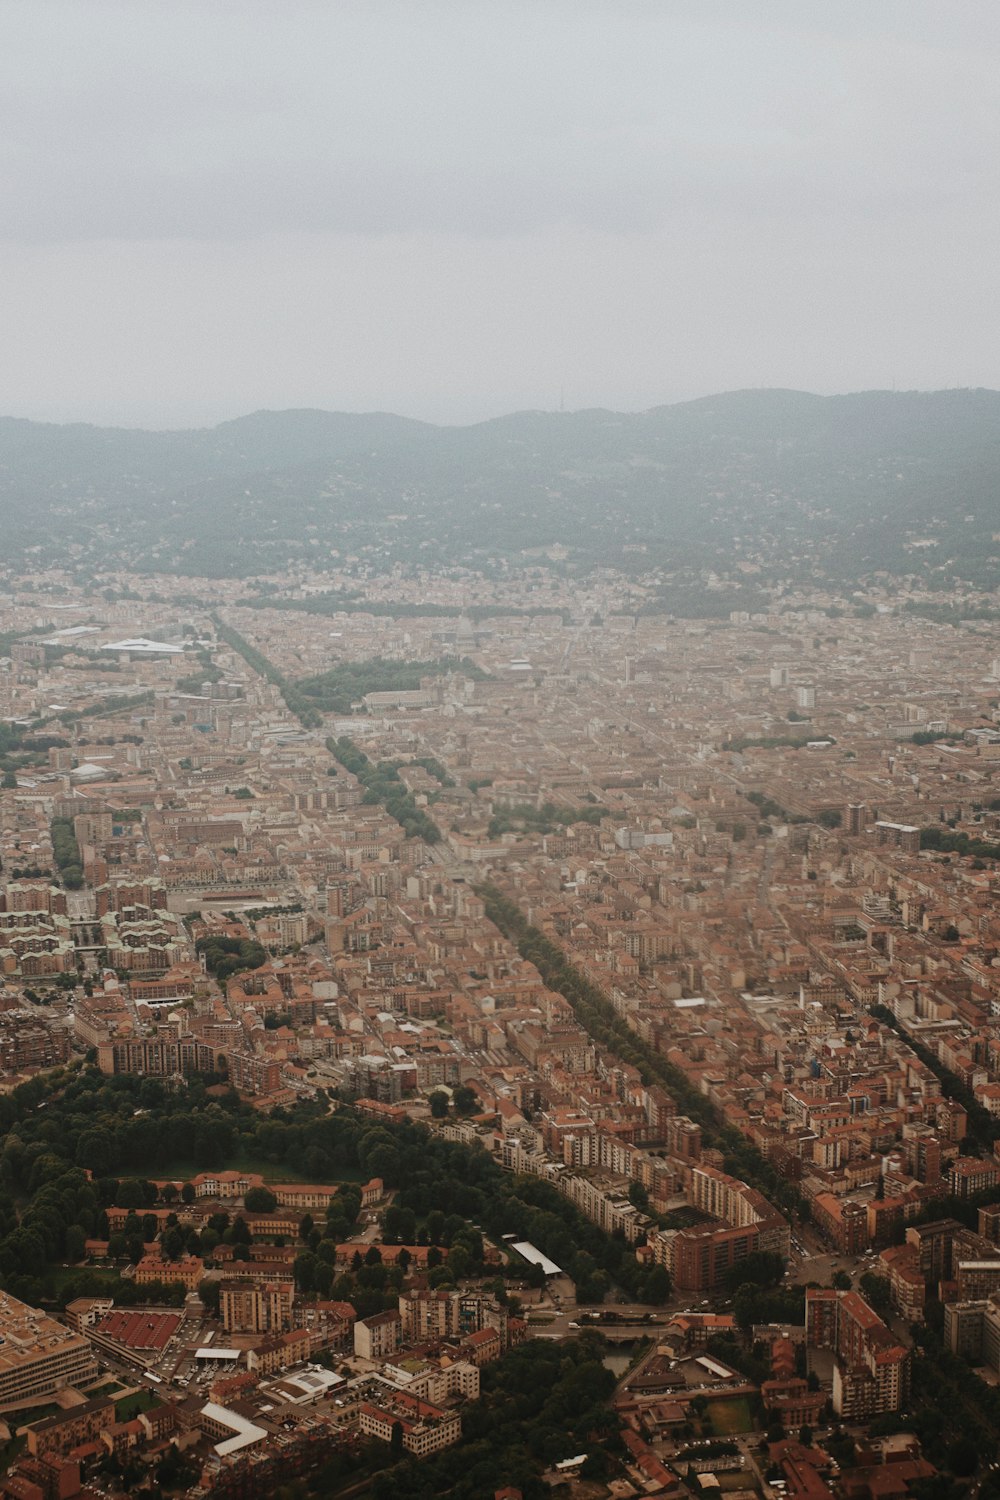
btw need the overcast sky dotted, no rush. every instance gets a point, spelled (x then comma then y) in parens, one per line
(452, 210)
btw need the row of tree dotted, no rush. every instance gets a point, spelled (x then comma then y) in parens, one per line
(599, 1018)
(296, 701)
(384, 788)
(67, 853)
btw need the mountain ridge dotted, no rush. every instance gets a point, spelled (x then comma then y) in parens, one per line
(769, 476)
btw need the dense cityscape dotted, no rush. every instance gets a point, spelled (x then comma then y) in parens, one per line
(398, 999)
(499, 750)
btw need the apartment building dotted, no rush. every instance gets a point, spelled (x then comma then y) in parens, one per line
(68, 1429)
(425, 1428)
(872, 1369)
(377, 1337)
(703, 1253)
(736, 1203)
(969, 1175)
(280, 1352)
(426, 1316)
(256, 1307)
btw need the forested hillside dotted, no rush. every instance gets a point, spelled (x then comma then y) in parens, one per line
(787, 481)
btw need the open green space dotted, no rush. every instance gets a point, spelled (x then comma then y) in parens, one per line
(337, 690)
(59, 1276)
(728, 1417)
(130, 1406)
(181, 1169)
(109, 1386)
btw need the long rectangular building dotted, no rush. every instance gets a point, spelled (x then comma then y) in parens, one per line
(37, 1354)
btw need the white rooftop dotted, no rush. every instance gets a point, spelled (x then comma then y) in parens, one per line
(536, 1258)
(308, 1384)
(246, 1432)
(141, 646)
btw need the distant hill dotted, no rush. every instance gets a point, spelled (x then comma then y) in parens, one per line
(791, 483)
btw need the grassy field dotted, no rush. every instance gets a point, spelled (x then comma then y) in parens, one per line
(59, 1275)
(728, 1417)
(131, 1406)
(180, 1170)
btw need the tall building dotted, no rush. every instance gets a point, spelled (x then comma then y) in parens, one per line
(256, 1307)
(854, 822)
(872, 1369)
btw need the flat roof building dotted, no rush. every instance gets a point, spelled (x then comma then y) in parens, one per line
(37, 1354)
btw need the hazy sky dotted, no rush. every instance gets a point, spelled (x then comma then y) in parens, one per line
(456, 209)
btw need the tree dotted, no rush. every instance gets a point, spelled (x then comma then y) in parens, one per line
(459, 1261)
(208, 1291)
(172, 1244)
(130, 1194)
(963, 1458)
(188, 1194)
(464, 1099)
(399, 1225)
(638, 1197)
(877, 1292)
(762, 1268)
(304, 1269)
(239, 1231)
(95, 1150)
(439, 1104)
(383, 1162)
(75, 1243)
(657, 1288)
(260, 1200)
